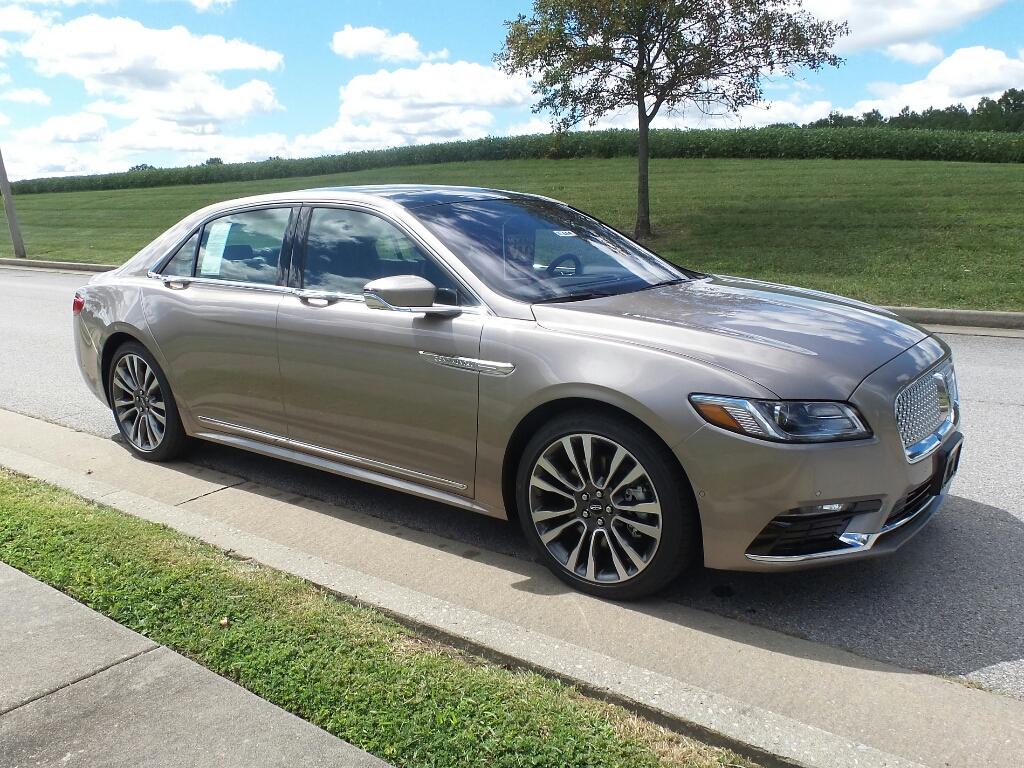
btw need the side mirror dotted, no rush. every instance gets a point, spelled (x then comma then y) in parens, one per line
(406, 293)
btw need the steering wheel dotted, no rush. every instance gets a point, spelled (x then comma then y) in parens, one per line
(559, 261)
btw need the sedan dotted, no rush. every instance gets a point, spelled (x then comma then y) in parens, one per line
(508, 354)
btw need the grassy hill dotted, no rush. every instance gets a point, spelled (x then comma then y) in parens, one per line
(892, 232)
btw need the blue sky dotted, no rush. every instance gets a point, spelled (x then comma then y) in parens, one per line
(99, 86)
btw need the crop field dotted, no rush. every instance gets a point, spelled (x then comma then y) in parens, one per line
(909, 233)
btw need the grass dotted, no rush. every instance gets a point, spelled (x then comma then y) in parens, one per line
(348, 669)
(890, 232)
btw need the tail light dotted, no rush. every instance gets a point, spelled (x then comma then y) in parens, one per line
(78, 304)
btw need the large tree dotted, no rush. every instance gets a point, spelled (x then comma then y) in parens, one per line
(595, 57)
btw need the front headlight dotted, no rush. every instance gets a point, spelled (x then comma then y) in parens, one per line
(785, 421)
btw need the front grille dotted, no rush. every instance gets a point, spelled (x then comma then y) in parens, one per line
(922, 407)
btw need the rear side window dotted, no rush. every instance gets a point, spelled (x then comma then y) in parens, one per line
(244, 247)
(183, 263)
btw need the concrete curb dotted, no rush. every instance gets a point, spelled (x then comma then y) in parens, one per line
(772, 739)
(927, 316)
(976, 318)
(71, 266)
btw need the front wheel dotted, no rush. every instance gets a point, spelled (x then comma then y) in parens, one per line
(606, 506)
(143, 406)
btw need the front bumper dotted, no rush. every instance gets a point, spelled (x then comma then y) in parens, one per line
(748, 490)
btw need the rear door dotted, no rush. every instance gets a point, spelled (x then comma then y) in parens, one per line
(214, 315)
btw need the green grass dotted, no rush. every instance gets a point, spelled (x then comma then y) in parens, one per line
(348, 669)
(886, 231)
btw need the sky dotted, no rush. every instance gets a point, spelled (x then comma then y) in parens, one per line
(91, 86)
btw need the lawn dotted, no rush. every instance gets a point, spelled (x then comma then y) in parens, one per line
(346, 668)
(891, 232)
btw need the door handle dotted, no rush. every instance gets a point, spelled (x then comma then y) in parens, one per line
(176, 283)
(316, 298)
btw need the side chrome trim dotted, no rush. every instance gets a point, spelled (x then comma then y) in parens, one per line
(212, 281)
(486, 367)
(327, 453)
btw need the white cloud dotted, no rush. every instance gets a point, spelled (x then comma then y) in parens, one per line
(26, 96)
(964, 77)
(529, 127)
(4, 119)
(878, 23)
(136, 72)
(915, 53)
(353, 42)
(206, 5)
(21, 21)
(70, 129)
(433, 102)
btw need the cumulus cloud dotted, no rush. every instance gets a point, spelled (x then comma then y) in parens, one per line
(963, 77)
(915, 53)
(433, 102)
(878, 23)
(355, 42)
(26, 96)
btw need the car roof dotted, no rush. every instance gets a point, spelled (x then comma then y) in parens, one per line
(418, 195)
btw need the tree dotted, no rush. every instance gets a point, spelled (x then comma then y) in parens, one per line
(140, 167)
(595, 57)
(214, 161)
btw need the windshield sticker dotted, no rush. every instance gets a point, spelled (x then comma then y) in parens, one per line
(563, 233)
(213, 253)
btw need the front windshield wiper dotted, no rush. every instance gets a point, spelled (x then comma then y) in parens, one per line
(574, 297)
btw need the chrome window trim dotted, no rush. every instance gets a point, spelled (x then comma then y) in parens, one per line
(212, 281)
(925, 447)
(328, 453)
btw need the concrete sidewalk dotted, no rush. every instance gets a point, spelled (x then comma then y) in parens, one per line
(810, 704)
(77, 689)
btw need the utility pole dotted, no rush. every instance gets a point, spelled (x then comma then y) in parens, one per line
(12, 218)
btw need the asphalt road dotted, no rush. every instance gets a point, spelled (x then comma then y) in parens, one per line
(951, 602)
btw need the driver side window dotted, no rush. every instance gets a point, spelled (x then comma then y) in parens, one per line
(346, 249)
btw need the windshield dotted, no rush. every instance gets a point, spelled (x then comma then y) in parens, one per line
(534, 250)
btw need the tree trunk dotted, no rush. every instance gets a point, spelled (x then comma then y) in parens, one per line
(643, 194)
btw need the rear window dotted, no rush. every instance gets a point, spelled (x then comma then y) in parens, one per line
(244, 247)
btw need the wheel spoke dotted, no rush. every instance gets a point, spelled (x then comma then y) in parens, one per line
(544, 485)
(591, 561)
(636, 473)
(558, 530)
(570, 452)
(653, 531)
(543, 515)
(616, 462)
(573, 561)
(626, 547)
(620, 570)
(553, 472)
(645, 508)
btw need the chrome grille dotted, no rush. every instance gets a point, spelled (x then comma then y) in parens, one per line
(926, 404)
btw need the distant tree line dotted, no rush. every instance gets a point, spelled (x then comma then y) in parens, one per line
(1005, 114)
(776, 142)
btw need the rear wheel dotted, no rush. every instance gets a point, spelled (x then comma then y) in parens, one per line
(143, 406)
(606, 506)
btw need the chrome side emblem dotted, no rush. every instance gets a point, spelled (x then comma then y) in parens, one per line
(486, 367)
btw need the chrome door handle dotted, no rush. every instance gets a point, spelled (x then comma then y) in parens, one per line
(176, 283)
(316, 298)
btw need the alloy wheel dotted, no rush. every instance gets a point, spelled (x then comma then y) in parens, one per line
(595, 508)
(139, 402)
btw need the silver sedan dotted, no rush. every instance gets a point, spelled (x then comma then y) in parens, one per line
(508, 354)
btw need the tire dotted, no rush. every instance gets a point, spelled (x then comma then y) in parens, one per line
(548, 481)
(139, 409)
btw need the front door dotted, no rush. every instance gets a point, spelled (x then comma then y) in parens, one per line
(214, 316)
(369, 387)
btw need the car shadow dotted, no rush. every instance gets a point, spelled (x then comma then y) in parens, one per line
(949, 602)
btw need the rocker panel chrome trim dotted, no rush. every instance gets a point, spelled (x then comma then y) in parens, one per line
(326, 453)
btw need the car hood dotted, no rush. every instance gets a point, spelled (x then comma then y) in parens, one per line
(795, 342)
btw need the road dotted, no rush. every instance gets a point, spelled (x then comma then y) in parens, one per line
(951, 602)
